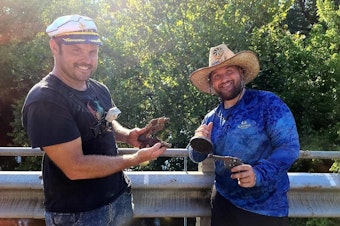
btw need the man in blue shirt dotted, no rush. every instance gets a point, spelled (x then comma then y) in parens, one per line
(254, 126)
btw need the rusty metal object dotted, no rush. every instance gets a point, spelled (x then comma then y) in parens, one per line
(149, 138)
(229, 161)
(201, 144)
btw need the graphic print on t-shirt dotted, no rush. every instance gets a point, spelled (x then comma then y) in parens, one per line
(96, 110)
(99, 113)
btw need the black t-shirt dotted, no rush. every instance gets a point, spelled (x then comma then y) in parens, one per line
(54, 113)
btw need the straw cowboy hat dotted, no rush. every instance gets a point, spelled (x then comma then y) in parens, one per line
(222, 56)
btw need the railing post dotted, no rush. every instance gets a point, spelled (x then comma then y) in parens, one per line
(207, 166)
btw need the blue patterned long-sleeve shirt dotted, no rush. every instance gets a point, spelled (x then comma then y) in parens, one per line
(260, 129)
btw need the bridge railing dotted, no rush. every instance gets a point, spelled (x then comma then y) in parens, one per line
(173, 193)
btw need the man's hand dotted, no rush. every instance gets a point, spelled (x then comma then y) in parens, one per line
(245, 175)
(204, 131)
(148, 138)
(133, 136)
(201, 140)
(150, 153)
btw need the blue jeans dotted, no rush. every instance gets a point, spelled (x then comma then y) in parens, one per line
(117, 213)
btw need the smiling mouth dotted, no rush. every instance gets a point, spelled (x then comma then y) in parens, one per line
(226, 84)
(84, 67)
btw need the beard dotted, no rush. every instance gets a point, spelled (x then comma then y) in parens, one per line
(232, 94)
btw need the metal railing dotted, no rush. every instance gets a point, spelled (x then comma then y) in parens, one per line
(173, 193)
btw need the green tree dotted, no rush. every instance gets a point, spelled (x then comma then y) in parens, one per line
(151, 47)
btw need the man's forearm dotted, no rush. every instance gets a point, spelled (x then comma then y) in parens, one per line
(121, 133)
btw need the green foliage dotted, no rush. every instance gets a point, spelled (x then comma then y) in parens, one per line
(30, 163)
(314, 221)
(151, 47)
(20, 137)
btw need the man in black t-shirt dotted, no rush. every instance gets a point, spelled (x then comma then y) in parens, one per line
(65, 115)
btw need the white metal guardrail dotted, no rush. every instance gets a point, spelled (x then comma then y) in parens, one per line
(174, 193)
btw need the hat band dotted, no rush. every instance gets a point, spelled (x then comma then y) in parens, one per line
(79, 38)
(84, 32)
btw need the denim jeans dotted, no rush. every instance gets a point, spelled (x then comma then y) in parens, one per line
(117, 213)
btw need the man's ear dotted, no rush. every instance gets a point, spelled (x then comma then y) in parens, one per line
(242, 73)
(54, 47)
(209, 78)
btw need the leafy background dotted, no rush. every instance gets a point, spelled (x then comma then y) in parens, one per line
(151, 47)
